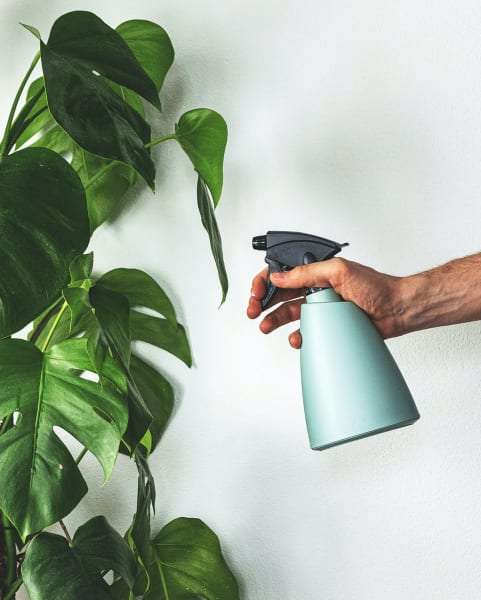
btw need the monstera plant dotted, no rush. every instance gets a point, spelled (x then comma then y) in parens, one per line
(76, 140)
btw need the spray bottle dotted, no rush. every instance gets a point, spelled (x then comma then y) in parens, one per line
(351, 385)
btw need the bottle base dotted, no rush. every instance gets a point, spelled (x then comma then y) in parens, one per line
(364, 435)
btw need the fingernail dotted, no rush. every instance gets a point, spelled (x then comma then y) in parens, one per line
(279, 276)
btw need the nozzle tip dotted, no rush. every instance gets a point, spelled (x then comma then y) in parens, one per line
(259, 242)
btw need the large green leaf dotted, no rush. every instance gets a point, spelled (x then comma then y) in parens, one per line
(81, 54)
(55, 570)
(209, 222)
(202, 134)
(44, 225)
(151, 46)
(189, 561)
(39, 480)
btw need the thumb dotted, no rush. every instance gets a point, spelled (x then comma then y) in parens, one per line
(317, 274)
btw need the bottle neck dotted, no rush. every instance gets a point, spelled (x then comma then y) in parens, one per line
(314, 295)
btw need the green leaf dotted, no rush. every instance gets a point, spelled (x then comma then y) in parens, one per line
(81, 53)
(189, 558)
(202, 134)
(112, 312)
(140, 289)
(39, 480)
(157, 393)
(151, 46)
(81, 267)
(77, 299)
(33, 30)
(139, 532)
(209, 222)
(36, 106)
(76, 573)
(161, 333)
(44, 226)
(106, 183)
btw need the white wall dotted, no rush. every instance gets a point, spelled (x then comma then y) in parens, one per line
(359, 121)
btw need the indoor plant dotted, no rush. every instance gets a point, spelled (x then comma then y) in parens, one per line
(68, 155)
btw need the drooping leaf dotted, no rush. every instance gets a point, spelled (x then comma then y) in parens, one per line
(81, 53)
(202, 134)
(157, 394)
(151, 46)
(161, 333)
(189, 556)
(209, 222)
(52, 568)
(139, 532)
(44, 225)
(140, 289)
(112, 312)
(39, 480)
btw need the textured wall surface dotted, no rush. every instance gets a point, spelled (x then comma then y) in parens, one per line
(359, 121)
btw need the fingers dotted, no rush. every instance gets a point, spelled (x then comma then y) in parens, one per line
(283, 314)
(258, 291)
(320, 274)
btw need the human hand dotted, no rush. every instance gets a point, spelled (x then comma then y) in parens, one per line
(375, 293)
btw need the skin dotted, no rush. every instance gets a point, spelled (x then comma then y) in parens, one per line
(444, 295)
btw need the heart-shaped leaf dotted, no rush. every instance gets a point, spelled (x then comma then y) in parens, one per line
(78, 568)
(189, 561)
(46, 391)
(81, 54)
(44, 225)
(202, 134)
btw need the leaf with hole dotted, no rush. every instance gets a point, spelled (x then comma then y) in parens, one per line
(47, 391)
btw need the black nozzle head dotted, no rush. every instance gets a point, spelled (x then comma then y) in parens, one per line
(259, 242)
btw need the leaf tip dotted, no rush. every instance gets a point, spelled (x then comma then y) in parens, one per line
(33, 30)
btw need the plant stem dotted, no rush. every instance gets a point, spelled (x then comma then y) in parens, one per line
(54, 326)
(162, 578)
(159, 140)
(14, 589)
(15, 104)
(40, 327)
(21, 122)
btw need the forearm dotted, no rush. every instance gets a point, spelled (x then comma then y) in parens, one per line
(445, 295)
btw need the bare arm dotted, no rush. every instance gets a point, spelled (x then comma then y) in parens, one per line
(445, 295)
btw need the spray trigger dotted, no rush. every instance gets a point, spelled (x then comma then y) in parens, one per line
(288, 249)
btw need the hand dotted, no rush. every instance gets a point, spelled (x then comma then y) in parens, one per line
(376, 293)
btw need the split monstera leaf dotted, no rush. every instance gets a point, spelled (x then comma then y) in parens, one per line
(69, 154)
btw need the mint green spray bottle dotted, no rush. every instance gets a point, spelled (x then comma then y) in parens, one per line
(351, 385)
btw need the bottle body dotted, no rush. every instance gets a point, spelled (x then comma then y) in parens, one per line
(351, 385)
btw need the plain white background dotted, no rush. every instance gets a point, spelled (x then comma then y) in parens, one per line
(359, 121)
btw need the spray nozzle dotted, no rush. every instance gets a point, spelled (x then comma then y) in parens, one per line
(288, 249)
